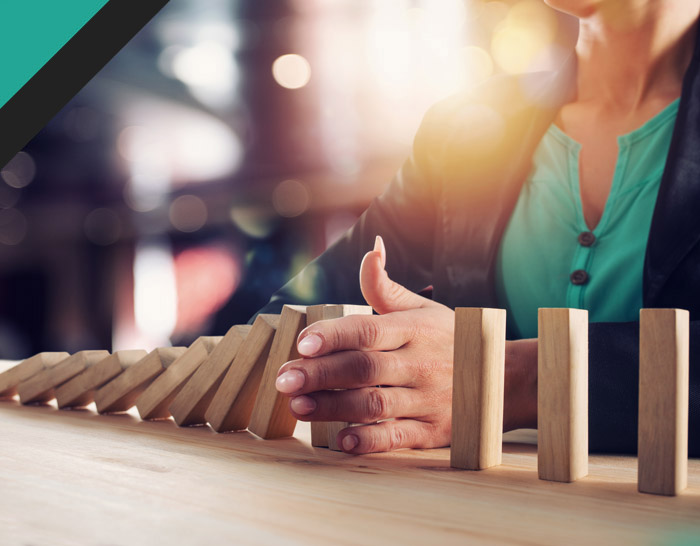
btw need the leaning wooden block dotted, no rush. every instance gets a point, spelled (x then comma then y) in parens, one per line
(477, 388)
(271, 417)
(325, 434)
(232, 405)
(156, 399)
(10, 379)
(41, 387)
(190, 405)
(562, 394)
(121, 393)
(663, 401)
(80, 391)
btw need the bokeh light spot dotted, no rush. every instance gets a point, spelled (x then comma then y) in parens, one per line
(290, 198)
(20, 171)
(188, 213)
(291, 71)
(102, 227)
(258, 222)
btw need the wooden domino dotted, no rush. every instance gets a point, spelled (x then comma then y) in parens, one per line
(10, 379)
(41, 387)
(232, 405)
(121, 393)
(477, 388)
(562, 394)
(79, 391)
(155, 401)
(325, 434)
(663, 401)
(190, 405)
(271, 417)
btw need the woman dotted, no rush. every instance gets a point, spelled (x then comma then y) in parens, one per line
(574, 189)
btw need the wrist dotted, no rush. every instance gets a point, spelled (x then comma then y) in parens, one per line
(520, 389)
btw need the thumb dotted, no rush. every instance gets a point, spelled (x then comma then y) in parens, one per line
(379, 291)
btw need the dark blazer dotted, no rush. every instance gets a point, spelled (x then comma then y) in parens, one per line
(443, 216)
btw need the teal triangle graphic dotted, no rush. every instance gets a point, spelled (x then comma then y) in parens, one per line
(32, 32)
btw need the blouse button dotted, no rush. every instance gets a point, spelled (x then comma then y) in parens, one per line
(579, 277)
(586, 238)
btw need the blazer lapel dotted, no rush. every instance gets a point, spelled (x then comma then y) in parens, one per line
(675, 226)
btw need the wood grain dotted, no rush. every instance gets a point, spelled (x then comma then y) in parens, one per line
(271, 417)
(190, 405)
(157, 397)
(562, 394)
(325, 434)
(233, 402)
(114, 479)
(477, 388)
(40, 388)
(663, 400)
(80, 391)
(121, 393)
(12, 377)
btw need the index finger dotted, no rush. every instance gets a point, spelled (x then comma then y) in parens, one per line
(356, 333)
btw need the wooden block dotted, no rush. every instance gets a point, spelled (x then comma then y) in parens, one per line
(271, 417)
(477, 388)
(324, 434)
(232, 405)
(562, 394)
(80, 391)
(10, 379)
(663, 401)
(121, 393)
(41, 387)
(190, 405)
(156, 399)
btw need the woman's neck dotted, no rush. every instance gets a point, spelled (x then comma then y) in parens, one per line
(633, 51)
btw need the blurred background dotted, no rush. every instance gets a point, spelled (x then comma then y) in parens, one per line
(228, 144)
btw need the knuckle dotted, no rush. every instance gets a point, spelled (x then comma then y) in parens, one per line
(366, 368)
(368, 334)
(398, 438)
(377, 405)
(321, 376)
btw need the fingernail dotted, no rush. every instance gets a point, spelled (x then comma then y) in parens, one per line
(350, 442)
(290, 381)
(379, 247)
(303, 405)
(310, 345)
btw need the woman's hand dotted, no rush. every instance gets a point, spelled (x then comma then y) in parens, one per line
(407, 349)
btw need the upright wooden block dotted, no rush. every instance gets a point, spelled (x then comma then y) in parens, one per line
(121, 393)
(324, 434)
(10, 379)
(663, 401)
(41, 387)
(190, 405)
(156, 399)
(271, 417)
(477, 388)
(562, 394)
(80, 391)
(232, 404)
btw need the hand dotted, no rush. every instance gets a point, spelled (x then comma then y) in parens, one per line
(408, 349)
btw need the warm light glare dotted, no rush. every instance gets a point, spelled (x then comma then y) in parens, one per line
(291, 71)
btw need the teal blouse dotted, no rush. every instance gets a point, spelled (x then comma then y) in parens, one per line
(548, 257)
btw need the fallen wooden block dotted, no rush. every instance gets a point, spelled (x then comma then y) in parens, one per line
(41, 387)
(121, 393)
(271, 417)
(80, 391)
(562, 394)
(156, 399)
(663, 401)
(325, 434)
(10, 379)
(232, 404)
(191, 403)
(477, 388)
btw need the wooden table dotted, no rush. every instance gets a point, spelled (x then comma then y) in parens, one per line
(74, 477)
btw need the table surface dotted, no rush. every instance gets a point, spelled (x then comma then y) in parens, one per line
(75, 477)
